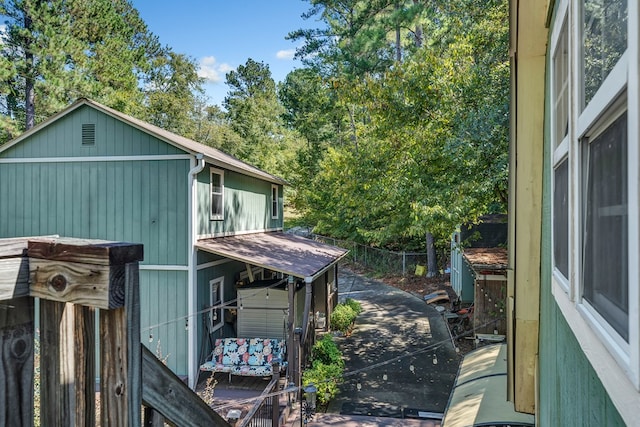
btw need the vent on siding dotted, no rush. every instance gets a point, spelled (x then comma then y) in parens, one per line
(88, 134)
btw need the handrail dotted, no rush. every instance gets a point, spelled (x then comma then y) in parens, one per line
(167, 394)
(266, 394)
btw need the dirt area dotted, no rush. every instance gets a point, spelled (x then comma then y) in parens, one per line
(419, 286)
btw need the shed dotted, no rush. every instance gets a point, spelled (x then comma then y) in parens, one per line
(489, 266)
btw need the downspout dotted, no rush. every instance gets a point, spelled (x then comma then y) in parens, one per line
(308, 282)
(192, 285)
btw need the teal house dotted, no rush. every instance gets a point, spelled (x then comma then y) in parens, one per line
(574, 281)
(573, 278)
(211, 226)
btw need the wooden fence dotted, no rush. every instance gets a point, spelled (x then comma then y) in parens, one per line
(72, 278)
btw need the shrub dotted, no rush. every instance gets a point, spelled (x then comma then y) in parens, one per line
(355, 305)
(326, 379)
(327, 352)
(342, 317)
(326, 370)
(345, 314)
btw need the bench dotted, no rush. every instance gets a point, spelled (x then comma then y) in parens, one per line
(253, 357)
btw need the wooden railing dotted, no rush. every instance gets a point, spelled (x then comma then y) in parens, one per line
(72, 278)
(266, 410)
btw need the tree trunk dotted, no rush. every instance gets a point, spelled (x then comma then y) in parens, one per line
(418, 33)
(29, 95)
(432, 265)
(398, 47)
(354, 136)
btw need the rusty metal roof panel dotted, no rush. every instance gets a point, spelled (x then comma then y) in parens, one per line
(277, 251)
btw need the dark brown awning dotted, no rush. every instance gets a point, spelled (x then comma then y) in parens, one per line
(289, 254)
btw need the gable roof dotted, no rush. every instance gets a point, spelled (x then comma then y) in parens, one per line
(211, 155)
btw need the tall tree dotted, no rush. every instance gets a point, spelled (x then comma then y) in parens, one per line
(172, 89)
(256, 115)
(433, 153)
(60, 50)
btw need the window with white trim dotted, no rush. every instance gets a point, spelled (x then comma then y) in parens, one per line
(216, 293)
(605, 224)
(216, 184)
(274, 201)
(594, 173)
(559, 136)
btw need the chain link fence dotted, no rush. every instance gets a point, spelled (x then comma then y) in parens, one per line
(380, 260)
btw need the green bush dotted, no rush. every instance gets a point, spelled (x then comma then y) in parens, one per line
(345, 314)
(327, 369)
(326, 379)
(342, 317)
(355, 305)
(327, 352)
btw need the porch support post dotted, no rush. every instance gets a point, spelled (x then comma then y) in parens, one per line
(290, 321)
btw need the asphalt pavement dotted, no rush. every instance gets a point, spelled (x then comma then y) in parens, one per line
(400, 364)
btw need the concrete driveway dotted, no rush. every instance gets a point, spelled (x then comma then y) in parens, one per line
(400, 362)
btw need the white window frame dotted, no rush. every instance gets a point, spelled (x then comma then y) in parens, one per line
(561, 146)
(616, 361)
(212, 195)
(216, 299)
(275, 202)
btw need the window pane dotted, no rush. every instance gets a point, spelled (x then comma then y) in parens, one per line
(216, 205)
(561, 217)
(605, 241)
(216, 183)
(561, 86)
(604, 41)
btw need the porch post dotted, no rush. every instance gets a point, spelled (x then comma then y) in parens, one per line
(290, 339)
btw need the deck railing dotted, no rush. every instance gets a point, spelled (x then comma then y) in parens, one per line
(72, 279)
(266, 410)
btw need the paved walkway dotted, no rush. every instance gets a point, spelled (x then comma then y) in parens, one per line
(400, 362)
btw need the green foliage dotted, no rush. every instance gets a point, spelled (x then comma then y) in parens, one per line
(326, 351)
(355, 305)
(58, 51)
(327, 369)
(429, 141)
(345, 314)
(326, 379)
(254, 114)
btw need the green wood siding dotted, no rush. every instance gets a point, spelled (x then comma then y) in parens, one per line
(63, 138)
(247, 205)
(137, 201)
(163, 298)
(570, 393)
(228, 270)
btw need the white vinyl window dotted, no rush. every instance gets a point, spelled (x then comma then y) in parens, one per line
(216, 184)
(216, 293)
(560, 137)
(594, 103)
(274, 202)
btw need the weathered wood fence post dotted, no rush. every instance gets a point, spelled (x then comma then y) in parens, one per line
(16, 335)
(72, 277)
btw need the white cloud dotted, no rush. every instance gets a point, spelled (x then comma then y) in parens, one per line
(210, 70)
(286, 54)
(3, 31)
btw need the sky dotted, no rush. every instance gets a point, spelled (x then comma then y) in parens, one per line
(222, 34)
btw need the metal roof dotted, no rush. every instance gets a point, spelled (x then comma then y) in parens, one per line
(211, 155)
(277, 251)
(479, 395)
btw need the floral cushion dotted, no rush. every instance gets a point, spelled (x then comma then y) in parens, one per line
(241, 356)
